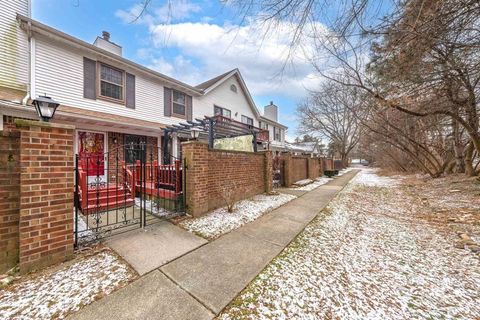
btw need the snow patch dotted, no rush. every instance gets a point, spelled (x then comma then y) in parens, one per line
(367, 257)
(315, 184)
(369, 178)
(58, 293)
(220, 221)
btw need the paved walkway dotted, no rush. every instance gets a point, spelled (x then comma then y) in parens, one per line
(201, 283)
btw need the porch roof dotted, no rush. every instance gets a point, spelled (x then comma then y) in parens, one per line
(81, 117)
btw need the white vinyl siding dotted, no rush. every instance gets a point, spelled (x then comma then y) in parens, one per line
(13, 46)
(59, 74)
(224, 97)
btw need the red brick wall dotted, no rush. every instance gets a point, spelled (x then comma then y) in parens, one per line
(211, 174)
(9, 195)
(46, 193)
(313, 168)
(299, 168)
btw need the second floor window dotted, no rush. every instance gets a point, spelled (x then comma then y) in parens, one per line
(276, 134)
(247, 120)
(112, 82)
(219, 111)
(179, 101)
(263, 125)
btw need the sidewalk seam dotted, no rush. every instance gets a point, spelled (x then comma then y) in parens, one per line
(186, 291)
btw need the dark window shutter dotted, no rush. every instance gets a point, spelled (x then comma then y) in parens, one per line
(130, 91)
(189, 108)
(89, 75)
(167, 102)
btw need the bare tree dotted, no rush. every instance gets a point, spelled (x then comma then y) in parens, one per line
(333, 113)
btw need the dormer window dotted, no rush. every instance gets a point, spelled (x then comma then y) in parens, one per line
(233, 88)
(179, 103)
(111, 82)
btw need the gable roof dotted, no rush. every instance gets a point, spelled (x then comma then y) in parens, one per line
(213, 83)
(207, 84)
(32, 25)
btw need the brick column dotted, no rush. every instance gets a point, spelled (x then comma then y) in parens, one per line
(9, 196)
(268, 172)
(46, 193)
(312, 168)
(196, 156)
(288, 170)
(320, 167)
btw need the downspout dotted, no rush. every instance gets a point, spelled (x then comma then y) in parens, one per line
(31, 65)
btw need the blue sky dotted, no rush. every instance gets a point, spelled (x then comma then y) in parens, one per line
(193, 40)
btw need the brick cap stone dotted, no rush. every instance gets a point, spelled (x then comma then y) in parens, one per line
(195, 142)
(35, 123)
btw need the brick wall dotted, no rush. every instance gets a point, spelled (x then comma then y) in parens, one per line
(313, 168)
(211, 174)
(299, 168)
(46, 193)
(9, 195)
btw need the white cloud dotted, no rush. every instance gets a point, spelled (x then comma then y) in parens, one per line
(219, 48)
(196, 51)
(171, 11)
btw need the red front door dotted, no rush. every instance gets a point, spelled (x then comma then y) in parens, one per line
(91, 149)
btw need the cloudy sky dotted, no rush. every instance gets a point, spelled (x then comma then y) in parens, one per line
(193, 40)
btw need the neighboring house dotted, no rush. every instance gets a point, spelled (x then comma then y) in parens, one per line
(111, 100)
(269, 121)
(312, 148)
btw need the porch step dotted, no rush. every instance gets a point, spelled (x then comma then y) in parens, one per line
(111, 205)
(112, 197)
(111, 190)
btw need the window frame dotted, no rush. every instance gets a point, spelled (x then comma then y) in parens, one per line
(247, 118)
(275, 132)
(174, 114)
(99, 84)
(222, 113)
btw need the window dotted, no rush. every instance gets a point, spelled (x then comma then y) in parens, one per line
(263, 125)
(179, 101)
(276, 134)
(247, 120)
(222, 112)
(112, 82)
(233, 88)
(133, 150)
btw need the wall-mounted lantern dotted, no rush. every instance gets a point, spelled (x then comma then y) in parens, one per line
(195, 132)
(45, 107)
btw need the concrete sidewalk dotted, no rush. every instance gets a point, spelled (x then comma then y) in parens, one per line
(201, 283)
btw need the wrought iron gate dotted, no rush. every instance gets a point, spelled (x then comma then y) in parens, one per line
(124, 189)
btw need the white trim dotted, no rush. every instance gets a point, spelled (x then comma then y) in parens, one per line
(105, 148)
(33, 55)
(1, 121)
(243, 86)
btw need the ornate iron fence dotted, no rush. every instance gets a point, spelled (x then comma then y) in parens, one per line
(124, 189)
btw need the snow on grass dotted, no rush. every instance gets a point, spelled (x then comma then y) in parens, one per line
(343, 171)
(55, 294)
(315, 184)
(368, 177)
(303, 182)
(220, 221)
(362, 260)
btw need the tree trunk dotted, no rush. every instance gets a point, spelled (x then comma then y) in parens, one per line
(469, 171)
(458, 148)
